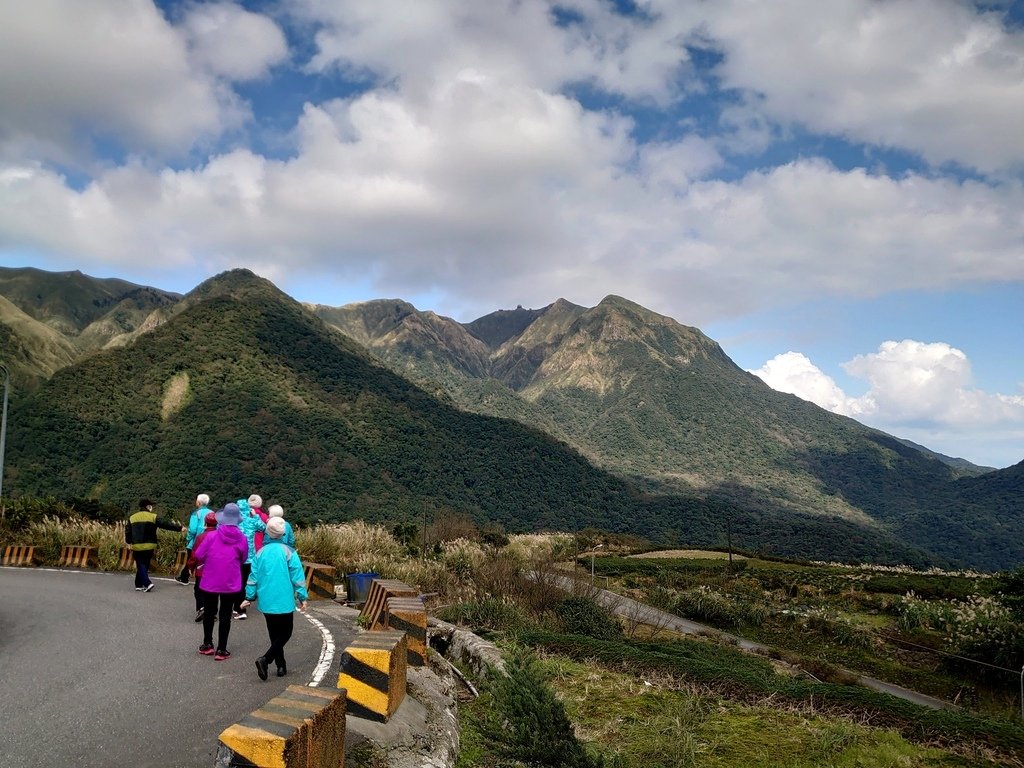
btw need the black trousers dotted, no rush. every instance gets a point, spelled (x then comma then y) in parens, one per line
(143, 559)
(210, 612)
(240, 596)
(279, 627)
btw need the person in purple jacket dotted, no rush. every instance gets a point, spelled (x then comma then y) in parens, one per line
(222, 553)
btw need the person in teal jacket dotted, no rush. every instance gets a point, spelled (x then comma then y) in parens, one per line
(251, 523)
(276, 579)
(195, 527)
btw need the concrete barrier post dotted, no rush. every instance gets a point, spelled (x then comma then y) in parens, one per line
(78, 557)
(20, 554)
(409, 615)
(303, 727)
(126, 562)
(180, 560)
(376, 601)
(373, 671)
(319, 581)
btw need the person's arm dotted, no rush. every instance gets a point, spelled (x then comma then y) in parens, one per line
(298, 577)
(195, 527)
(170, 525)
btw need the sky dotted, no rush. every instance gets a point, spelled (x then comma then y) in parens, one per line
(832, 191)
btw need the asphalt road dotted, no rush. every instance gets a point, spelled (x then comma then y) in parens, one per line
(631, 610)
(97, 674)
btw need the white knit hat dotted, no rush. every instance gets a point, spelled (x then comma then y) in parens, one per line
(275, 511)
(275, 527)
(256, 501)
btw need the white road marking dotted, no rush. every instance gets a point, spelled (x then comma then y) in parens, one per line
(326, 652)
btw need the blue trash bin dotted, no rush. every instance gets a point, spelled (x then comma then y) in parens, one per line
(359, 586)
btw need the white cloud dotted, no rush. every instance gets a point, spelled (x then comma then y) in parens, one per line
(421, 42)
(71, 72)
(794, 373)
(920, 391)
(491, 190)
(232, 42)
(936, 77)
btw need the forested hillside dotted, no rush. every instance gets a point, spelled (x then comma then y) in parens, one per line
(661, 404)
(236, 386)
(246, 391)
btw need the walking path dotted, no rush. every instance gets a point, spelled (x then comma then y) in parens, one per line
(633, 610)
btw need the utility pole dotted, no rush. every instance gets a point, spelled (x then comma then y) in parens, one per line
(592, 562)
(728, 536)
(3, 428)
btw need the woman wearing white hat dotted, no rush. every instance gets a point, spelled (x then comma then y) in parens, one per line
(277, 578)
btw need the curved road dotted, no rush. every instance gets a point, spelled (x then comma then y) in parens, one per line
(635, 611)
(97, 674)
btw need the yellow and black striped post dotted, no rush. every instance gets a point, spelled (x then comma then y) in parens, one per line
(179, 561)
(373, 671)
(376, 600)
(19, 554)
(127, 560)
(77, 557)
(319, 581)
(303, 727)
(409, 615)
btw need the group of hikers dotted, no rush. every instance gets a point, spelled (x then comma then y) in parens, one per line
(237, 555)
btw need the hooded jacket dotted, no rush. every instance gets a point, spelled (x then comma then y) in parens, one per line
(277, 576)
(196, 526)
(222, 553)
(251, 524)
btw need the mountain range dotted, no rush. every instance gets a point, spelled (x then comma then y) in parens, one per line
(559, 417)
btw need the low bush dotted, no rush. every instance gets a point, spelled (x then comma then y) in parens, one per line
(739, 675)
(712, 607)
(583, 616)
(525, 722)
(490, 614)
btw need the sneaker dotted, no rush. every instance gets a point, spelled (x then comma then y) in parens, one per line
(222, 655)
(148, 587)
(206, 649)
(199, 615)
(281, 671)
(261, 668)
(240, 615)
(140, 589)
(180, 580)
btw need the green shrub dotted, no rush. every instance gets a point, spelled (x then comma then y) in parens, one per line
(492, 613)
(583, 616)
(712, 607)
(526, 722)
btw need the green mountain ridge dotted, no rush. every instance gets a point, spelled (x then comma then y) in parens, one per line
(237, 386)
(661, 404)
(232, 395)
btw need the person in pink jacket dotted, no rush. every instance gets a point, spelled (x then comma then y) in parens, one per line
(221, 553)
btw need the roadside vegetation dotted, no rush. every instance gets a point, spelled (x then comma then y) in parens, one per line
(590, 689)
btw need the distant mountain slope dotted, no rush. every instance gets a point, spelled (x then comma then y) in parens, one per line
(663, 405)
(50, 319)
(962, 466)
(31, 350)
(238, 385)
(244, 390)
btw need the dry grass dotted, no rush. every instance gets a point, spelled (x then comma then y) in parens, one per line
(689, 554)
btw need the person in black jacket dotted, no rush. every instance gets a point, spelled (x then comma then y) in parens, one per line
(140, 533)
